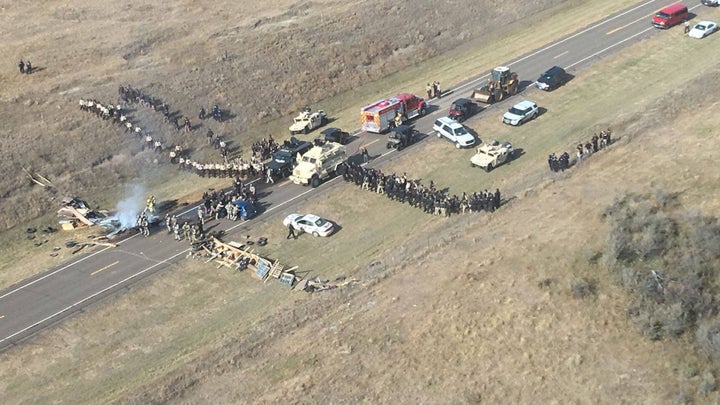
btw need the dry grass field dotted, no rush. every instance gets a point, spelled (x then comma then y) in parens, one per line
(472, 309)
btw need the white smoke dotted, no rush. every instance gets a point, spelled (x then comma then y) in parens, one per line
(130, 207)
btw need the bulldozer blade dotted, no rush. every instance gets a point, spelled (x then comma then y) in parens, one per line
(481, 96)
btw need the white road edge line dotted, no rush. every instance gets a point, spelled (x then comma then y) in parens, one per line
(92, 296)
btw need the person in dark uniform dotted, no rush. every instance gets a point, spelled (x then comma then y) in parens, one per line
(28, 67)
(21, 66)
(291, 232)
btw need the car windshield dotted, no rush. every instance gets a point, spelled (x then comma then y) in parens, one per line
(320, 222)
(517, 111)
(700, 27)
(308, 159)
(461, 131)
(662, 15)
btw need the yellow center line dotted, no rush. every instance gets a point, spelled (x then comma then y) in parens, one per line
(284, 183)
(564, 53)
(104, 268)
(368, 144)
(631, 23)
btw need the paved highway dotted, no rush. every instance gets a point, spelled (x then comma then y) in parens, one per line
(52, 296)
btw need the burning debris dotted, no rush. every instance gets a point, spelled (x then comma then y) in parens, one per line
(131, 213)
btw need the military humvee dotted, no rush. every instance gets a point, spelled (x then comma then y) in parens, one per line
(492, 155)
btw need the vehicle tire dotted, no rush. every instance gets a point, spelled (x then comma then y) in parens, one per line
(323, 121)
(513, 88)
(342, 169)
(423, 111)
(285, 172)
(315, 234)
(389, 145)
(499, 95)
(489, 167)
(315, 181)
(306, 130)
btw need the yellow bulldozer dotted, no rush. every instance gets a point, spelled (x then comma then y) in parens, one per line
(502, 83)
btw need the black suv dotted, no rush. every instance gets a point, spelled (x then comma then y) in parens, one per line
(462, 109)
(283, 160)
(552, 79)
(336, 135)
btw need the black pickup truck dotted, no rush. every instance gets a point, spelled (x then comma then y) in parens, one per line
(283, 160)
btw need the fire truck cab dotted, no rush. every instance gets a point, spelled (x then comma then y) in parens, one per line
(380, 116)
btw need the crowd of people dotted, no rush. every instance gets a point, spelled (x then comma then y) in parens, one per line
(108, 111)
(433, 90)
(428, 198)
(583, 151)
(177, 153)
(237, 167)
(264, 148)
(216, 205)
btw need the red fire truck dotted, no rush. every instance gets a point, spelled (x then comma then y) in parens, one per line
(380, 115)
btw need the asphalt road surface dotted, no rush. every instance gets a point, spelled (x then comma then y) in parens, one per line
(50, 297)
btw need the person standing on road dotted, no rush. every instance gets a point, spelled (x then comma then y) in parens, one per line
(365, 155)
(269, 176)
(201, 214)
(291, 232)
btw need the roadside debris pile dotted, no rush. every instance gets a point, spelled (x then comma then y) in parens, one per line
(241, 256)
(77, 213)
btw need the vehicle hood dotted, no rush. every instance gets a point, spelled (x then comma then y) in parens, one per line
(466, 140)
(303, 168)
(695, 33)
(512, 117)
(299, 125)
(482, 159)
